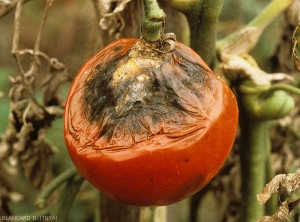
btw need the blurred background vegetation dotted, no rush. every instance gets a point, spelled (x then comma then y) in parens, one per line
(72, 35)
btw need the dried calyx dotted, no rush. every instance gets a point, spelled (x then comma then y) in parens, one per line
(147, 54)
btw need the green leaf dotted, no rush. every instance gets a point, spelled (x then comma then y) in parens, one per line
(296, 47)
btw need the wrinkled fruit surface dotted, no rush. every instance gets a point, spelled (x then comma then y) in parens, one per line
(146, 127)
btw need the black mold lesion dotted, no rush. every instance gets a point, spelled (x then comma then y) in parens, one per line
(193, 70)
(201, 70)
(124, 119)
(98, 92)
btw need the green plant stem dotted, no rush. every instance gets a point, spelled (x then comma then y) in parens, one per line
(153, 214)
(269, 13)
(295, 132)
(53, 185)
(254, 146)
(152, 21)
(285, 87)
(272, 204)
(202, 16)
(263, 19)
(67, 198)
(61, 210)
(112, 210)
(38, 214)
(147, 214)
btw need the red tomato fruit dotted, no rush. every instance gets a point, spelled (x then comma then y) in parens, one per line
(147, 127)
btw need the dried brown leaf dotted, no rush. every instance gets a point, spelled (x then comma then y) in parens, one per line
(6, 6)
(58, 76)
(110, 7)
(280, 183)
(281, 215)
(110, 15)
(244, 43)
(24, 139)
(6, 186)
(296, 47)
(35, 162)
(237, 67)
(292, 14)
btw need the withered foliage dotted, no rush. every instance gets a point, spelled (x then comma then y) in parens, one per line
(282, 213)
(279, 184)
(282, 183)
(24, 148)
(296, 47)
(114, 21)
(110, 15)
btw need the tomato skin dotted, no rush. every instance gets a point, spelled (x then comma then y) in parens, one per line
(160, 170)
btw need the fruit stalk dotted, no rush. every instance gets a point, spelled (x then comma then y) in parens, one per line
(152, 21)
